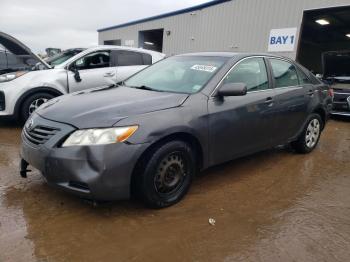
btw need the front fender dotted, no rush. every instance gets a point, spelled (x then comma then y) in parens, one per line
(190, 118)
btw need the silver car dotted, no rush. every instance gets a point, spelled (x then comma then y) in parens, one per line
(22, 92)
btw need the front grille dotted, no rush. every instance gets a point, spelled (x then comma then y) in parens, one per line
(40, 134)
(2, 101)
(340, 101)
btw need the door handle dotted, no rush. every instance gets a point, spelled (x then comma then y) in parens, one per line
(109, 74)
(310, 92)
(269, 100)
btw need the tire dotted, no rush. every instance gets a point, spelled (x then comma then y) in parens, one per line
(166, 175)
(309, 137)
(32, 102)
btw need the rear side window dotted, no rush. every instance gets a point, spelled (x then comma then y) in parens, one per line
(252, 72)
(284, 73)
(147, 59)
(129, 58)
(303, 79)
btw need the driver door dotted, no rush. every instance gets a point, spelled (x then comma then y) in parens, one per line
(240, 125)
(95, 70)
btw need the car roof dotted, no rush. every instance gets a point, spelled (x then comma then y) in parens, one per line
(116, 47)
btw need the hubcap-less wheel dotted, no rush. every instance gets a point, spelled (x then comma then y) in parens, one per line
(36, 104)
(170, 174)
(312, 133)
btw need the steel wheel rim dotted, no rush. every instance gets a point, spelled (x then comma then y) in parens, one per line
(171, 173)
(35, 104)
(312, 133)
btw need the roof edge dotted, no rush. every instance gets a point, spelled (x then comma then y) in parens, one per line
(177, 12)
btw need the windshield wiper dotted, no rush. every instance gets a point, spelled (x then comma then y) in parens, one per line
(143, 87)
(105, 88)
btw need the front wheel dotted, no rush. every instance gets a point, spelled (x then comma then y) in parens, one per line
(167, 175)
(310, 136)
(32, 103)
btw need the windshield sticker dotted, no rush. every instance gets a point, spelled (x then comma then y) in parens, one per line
(196, 87)
(206, 68)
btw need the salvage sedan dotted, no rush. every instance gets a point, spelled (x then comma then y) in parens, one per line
(151, 134)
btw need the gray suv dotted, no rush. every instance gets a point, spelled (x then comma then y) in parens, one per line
(150, 135)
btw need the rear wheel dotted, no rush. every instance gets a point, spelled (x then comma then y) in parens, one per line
(32, 103)
(167, 174)
(310, 136)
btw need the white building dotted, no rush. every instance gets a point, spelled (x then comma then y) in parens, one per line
(300, 29)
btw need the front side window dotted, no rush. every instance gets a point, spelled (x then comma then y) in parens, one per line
(252, 72)
(179, 74)
(94, 60)
(284, 73)
(129, 58)
(61, 57)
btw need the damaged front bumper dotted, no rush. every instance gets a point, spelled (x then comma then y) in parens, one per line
(94, 172)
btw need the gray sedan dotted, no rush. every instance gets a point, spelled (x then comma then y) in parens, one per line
(151, 134)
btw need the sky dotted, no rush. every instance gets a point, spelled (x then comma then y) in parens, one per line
(73, 23)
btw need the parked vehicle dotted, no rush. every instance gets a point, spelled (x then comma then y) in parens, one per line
(22, 92)
(336, 72)
(149, 136)
(15, 57)
(52, 51)
(9, 63)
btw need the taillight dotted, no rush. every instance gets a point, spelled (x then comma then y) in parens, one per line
(331, 92)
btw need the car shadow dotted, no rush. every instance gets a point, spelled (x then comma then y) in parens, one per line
(6, 122)
(341, 118)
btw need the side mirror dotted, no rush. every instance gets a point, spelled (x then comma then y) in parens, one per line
(76, 73)
(233, 89)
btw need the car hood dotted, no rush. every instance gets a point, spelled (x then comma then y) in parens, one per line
(21, 51)
(104, 107)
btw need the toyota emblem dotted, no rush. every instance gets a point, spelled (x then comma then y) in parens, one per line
(30, 124)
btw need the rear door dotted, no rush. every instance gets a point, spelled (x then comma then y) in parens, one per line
(96, 69)
(242, 124)
(294, 92)
(130, 62)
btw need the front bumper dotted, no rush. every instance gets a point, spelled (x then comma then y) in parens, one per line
(9, 95)
(94, 172)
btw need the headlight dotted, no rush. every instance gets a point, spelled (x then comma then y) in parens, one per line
(11, 76)
(100, 136)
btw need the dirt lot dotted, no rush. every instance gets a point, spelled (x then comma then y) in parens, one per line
(272, 206)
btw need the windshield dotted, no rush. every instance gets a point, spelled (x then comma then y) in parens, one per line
(179, 74)
(62, 57)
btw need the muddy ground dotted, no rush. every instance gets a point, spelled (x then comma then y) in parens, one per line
(272, 206)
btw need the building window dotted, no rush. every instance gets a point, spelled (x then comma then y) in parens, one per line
(113, 42)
